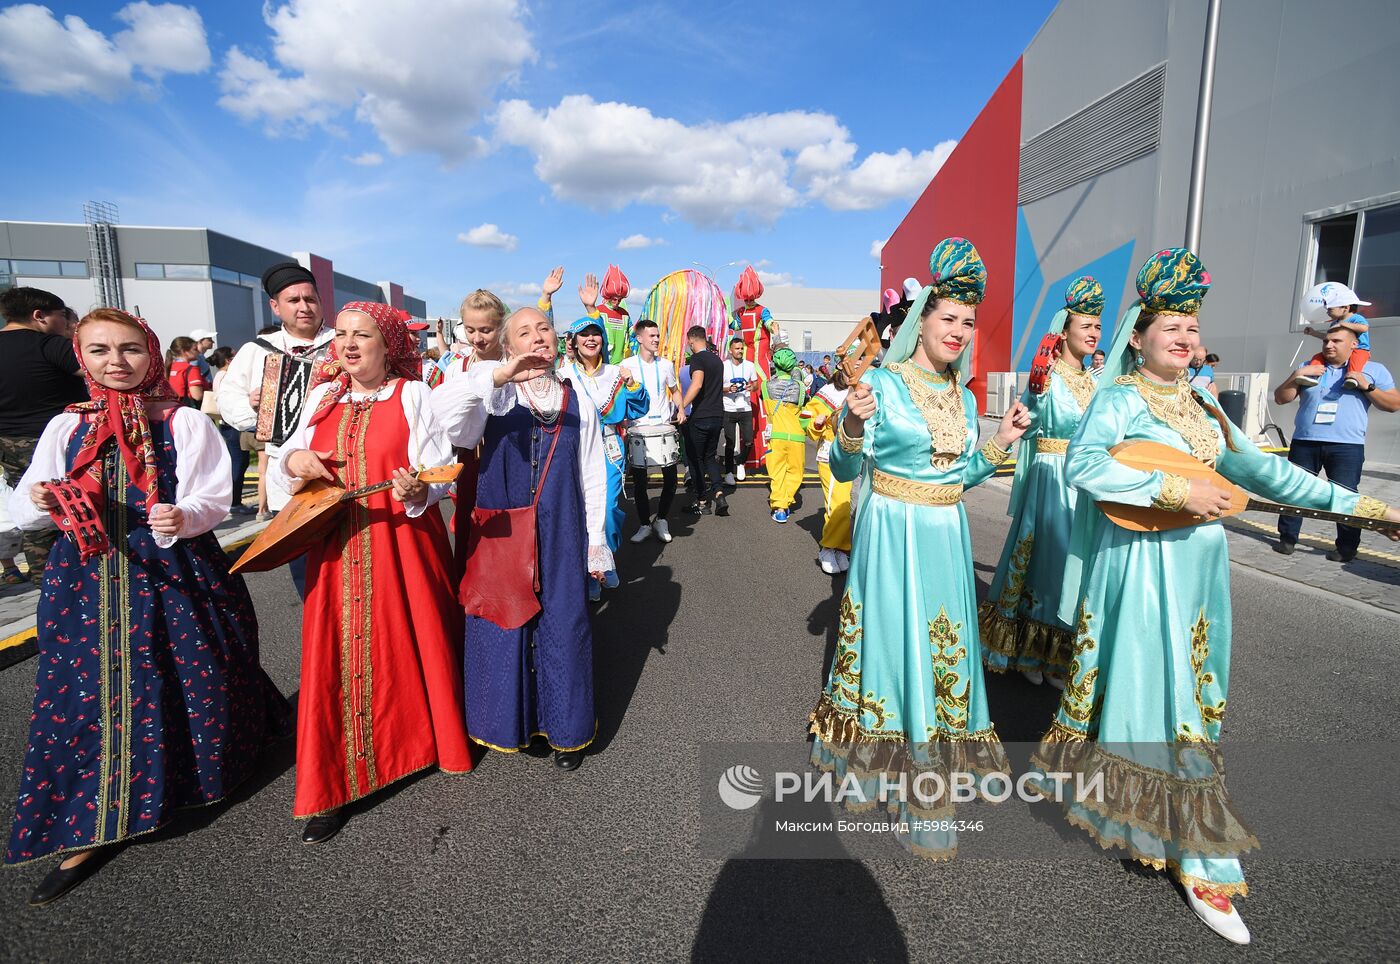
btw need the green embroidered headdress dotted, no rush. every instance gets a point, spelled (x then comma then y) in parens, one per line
(960, 275)
(1172, 282)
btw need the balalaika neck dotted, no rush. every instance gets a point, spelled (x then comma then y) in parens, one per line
(1319, 515)
(369, 490)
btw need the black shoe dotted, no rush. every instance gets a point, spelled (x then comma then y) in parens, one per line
(59, 881)
(241, 509)
(1285, 548)
(701, 508)
(721, 504)
(1336, 556)
(568, 759)
(322, 828)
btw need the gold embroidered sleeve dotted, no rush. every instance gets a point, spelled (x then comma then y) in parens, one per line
(1175, 490)
(1369, 508)
(847, 443)
(994, 454)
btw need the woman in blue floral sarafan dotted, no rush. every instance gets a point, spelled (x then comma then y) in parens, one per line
(905, 691)
(1021, 627)
(1145, 697)
(149, 696)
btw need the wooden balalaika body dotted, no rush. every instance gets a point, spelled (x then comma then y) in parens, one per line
(310, 516)
(1147, 456)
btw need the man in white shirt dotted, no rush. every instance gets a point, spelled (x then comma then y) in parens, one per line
(658, 376)
(291, 290)
(740, 379)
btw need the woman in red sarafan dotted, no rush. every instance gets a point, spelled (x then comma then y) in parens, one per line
(381, 681)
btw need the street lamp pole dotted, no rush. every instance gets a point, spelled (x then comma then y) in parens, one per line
(1196, 195)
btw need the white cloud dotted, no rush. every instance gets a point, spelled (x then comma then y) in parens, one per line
(489, 236)
(775, 279)
(876, 247)
(517, 294)
(881, 178)
(41, 55)
(639, 241)
(367, 159)
(420, 74)
(742, 173)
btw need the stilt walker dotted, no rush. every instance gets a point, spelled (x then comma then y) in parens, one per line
(617, 323)
(1021, 627)
(905, 691)
(1149, 681)
(754, 323)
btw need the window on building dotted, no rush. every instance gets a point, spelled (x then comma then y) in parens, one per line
(224, 274)
(43, 269)
(187, 272)
(150, 270)
(1361, 248)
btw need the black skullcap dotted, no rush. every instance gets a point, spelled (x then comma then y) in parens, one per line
(283, 274)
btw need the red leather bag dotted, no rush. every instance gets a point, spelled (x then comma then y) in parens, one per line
(502, 578)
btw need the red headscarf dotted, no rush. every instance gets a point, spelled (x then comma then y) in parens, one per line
(400, 344)
(134, 438)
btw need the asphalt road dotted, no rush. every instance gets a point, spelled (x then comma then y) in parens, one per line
(720, 636)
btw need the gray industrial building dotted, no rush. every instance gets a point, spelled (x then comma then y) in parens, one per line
(1080, 163)
(179, 279)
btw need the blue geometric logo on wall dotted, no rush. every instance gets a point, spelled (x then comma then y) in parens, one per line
(1029, 325)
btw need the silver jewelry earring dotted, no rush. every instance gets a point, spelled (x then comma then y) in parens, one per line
(1138, 360)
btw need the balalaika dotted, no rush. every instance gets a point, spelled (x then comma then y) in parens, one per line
(286, 382)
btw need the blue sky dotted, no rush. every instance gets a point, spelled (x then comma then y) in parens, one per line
(390, 137)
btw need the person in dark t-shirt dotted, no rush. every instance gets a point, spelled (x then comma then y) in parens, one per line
(38, 379)
(705, 424)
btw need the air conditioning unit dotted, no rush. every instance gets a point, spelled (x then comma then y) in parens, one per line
(1255, 386)
(1023, 382)
(1001, 393)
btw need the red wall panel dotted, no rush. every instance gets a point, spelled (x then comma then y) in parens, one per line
(973, 195)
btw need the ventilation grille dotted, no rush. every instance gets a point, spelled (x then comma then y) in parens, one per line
(1112, 131)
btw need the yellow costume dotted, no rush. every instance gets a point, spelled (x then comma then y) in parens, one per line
(783, 398)
(818, 420)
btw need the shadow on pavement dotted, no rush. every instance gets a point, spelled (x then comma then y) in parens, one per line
(824, 907)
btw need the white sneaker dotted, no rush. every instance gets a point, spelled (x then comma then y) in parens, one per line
(843, 560)
(739, 472)
(642, 534)
(1056, 680)
(729, 478)
(1307, 381)
(828, 563)
(1033, 675)
(662, 530)
(1229, 926)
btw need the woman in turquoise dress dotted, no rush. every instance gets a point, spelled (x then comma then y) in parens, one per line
(1021, 628)
(618, 400)
(1149, 681)
(905, 691)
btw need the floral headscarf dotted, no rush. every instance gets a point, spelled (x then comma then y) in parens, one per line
(958, 275)
(401, 358)
(111, 409)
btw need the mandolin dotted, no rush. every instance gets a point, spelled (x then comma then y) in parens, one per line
(1147, 456)
(1045, 357)
(313, 512)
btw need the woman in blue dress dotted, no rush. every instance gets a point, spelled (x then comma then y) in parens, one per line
(618, 399)
(1148, 684)
(905, 689)
(536, 679)
(1021, 628)
(149, 695)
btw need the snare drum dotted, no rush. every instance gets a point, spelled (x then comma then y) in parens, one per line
(653, 446)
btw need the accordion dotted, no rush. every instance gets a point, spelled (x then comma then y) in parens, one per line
(286, 382)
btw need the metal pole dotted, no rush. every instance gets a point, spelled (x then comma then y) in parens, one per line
(1196, 198)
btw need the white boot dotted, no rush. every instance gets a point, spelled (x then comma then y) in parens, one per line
(729, 478)
(643, 534)
(1228, 925)
(1033, 675)
(1056, 680)
(739, 471)
(828, 563)
(843, 560)
(662, 530)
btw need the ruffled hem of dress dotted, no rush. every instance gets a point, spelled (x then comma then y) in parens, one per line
(1193, 816)
(1026, 643)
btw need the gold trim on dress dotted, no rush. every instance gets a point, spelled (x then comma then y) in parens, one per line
(1370, 508)
(942, 411)
(847, 443)
(1025, 642)
(913, 491)
(1079, 380)
(1176, 489)
(1051, 446)
(1177, 407)
(994, 453)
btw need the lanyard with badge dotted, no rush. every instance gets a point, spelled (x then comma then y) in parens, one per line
(656, 367)
(1326, 412)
